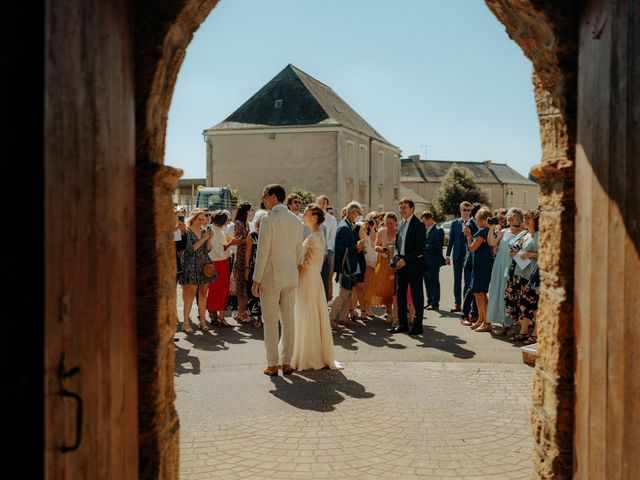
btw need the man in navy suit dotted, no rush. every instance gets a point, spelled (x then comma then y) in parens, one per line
(433, 255)
(410, 267)
(347, 247)
(458, 243)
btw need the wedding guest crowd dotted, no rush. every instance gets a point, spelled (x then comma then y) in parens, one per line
(380, 261)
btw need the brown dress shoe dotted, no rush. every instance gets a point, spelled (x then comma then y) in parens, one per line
(456, 308)
(287, 369)
(271, 371)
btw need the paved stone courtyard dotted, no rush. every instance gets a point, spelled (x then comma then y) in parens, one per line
(453, 405)
(382, 420)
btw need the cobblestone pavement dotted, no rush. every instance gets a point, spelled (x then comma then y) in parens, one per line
(452, 404)
(370, 420)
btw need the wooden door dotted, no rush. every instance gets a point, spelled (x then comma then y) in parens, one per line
(90, 349)
(607, 270)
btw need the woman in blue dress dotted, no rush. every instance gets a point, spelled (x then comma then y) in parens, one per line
(496, 315)
(482, 263)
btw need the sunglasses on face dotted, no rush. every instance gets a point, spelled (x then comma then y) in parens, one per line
(297, 202)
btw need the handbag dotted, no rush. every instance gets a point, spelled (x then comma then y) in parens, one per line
(209, 271)
(347, 279)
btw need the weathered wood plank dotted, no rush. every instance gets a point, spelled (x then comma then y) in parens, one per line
(90, 253)
(607, 277)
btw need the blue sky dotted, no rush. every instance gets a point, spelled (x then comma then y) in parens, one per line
(422, 72)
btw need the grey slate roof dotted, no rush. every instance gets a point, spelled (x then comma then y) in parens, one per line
(435, 170)
(305, 101)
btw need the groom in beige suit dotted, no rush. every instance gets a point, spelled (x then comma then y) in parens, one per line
(275, 277)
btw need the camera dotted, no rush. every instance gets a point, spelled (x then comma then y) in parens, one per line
(393, 263)
(181, 218)
(493, 221)
(371, 222)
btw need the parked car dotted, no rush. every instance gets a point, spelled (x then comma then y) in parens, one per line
(446, 226)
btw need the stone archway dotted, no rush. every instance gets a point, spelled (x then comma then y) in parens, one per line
(547, 32)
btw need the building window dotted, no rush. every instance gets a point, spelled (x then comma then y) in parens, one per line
(363, 164)
(396, 170)
(350, 161)
(278, 103)
(381, 168)
(524, 198)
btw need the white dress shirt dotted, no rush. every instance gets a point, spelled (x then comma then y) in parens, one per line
(331, 225)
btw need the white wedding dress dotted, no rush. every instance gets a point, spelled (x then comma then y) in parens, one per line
(313, 344)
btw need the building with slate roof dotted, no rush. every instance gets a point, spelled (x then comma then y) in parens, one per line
(504, 186)
(296, 131)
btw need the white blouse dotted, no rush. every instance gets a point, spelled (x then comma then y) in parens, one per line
(218, 241)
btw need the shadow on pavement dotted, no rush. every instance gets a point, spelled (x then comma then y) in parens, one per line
(373, 333)
(319, 391)
(432, 338)
(183, 358)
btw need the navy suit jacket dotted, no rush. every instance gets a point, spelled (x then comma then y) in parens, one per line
(346, 239)
(433, 247)
(457, 242)
(413, 245)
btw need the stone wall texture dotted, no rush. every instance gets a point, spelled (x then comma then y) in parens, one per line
(547, 32)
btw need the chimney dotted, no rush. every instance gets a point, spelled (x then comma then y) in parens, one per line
(487, 163)
(416, 161)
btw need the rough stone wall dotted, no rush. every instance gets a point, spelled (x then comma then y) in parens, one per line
(163, 30)
(547, 32)
(156, 321)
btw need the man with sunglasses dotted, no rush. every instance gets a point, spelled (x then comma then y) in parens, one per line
(458, 243)
(294, 204)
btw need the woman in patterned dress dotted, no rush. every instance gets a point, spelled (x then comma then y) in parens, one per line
(521, 294)
(241, 264)
(195, 256)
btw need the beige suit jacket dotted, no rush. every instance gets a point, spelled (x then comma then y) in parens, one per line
(279, 250)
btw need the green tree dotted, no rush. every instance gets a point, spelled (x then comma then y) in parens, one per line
(458, 185)
(307, 197)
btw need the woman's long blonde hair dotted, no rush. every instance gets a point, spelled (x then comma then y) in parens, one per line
(193, 214)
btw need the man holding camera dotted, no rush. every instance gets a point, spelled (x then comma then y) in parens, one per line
(410, 266)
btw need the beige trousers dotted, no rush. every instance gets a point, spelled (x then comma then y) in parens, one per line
(277, 307)
(341, 305)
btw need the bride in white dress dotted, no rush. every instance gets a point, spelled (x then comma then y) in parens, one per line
(313, 344)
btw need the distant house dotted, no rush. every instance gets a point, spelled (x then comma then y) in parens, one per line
(504, 186)
(296, 131)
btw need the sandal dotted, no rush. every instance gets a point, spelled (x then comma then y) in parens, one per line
(484, 327)
(518, 338)
(204, 327)
(188, 328)
(243, 319)
(258, 322)
(498, 332)
(531, 339)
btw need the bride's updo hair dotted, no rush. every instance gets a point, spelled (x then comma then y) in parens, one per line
(317, 211)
